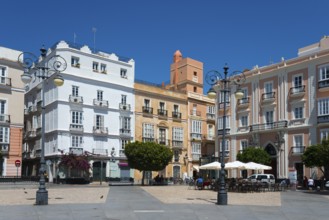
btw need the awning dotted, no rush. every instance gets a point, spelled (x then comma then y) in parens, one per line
(123, 164)
(196, 167)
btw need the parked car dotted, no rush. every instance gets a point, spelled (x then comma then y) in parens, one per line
(268, 178)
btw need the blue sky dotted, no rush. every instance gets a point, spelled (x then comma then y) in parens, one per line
(238, 32)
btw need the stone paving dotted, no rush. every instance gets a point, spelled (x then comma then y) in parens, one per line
(184, 195)
(95, 193)
(57, 194)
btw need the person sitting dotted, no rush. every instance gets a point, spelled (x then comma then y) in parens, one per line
(199, 183)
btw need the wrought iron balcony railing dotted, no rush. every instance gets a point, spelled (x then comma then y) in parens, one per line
(147, 109)
(101, 103)
(298, 90)
(268, 126)
(297, 149)
(323, 83)
(162, 112)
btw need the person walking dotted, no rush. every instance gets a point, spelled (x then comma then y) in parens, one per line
(310, 183)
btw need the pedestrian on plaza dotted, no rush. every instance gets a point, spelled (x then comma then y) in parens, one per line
(305, 182)
(310, 183)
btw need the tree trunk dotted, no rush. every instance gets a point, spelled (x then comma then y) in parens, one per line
(143, 175)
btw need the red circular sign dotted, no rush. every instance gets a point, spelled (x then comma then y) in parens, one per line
(17, 163)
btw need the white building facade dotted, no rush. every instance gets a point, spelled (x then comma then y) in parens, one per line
(91, 114)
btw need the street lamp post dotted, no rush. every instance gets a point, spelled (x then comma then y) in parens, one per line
(44, 69)
(219, 87)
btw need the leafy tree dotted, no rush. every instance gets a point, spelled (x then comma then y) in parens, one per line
(254, 154)
(318, 156)
(147, 156)
(75, 163)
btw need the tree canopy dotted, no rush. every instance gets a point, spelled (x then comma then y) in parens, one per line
(318, 156)
(254, 154)
(147, 156)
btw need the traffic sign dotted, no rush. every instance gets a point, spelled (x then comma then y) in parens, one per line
(17, 163)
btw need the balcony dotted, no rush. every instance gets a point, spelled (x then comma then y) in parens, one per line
(26, 154)
(243, 129)
(323, 119)
(32, 108)
(103, 152)
(196, 157)
(297, 150)
(124, 106)
(4, 148)
(177, 144)
(76, 128)
(76, 150)
(101, 103)
(221, 131)
(226, 153)
(176, 115)
(125, 131)
(211, 116)
(147, 139)
(31, 133)
(147, 110)
(122, 153)
(297, 91)
(196, 136)
(100, 130)
(268, 97)
(4, 119)
(163, 141)
(268, 126)
(162, 113)
(76, 99)
(243, 103)
(221, 105)
(323, 85)
(195, 113)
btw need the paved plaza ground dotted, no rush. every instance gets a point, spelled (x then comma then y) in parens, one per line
(95, 201)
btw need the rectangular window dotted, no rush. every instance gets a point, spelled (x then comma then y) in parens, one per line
(99, 95)
(103, 68)
(99, 121)
(125, 123)
(75, 91)
(211, 132)
(2, 107)
(147, 103)
(95, 66)
(76, 141)
(211, 109)
(298, 80)
(123, 73)
(324, 73)
(162, 106)
(226, 147)
(177, 134)
(176, 108)
(75, 62)
(196, 127)
(269, 117)
(148, 130)
(298, 113)
(323, 107)
(221, 97)
(220, 122)
(123, 144)
(3, 74)
(123, 99)
(4, 135)
(243, 144)
(298, 140)
(76, 117)
(244, 121)
(196, 148)
(324, 134)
